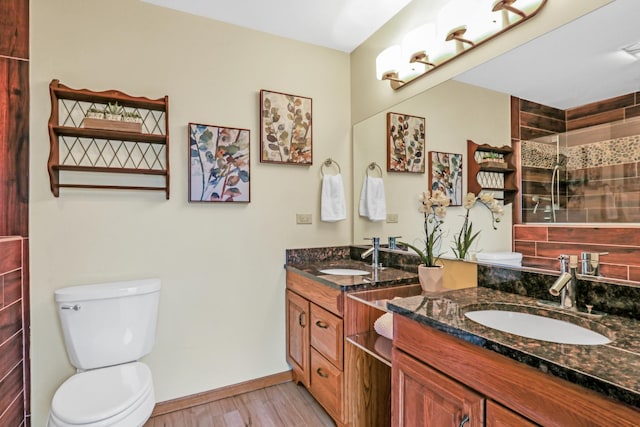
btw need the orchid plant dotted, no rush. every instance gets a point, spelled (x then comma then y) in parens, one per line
(465, 238)
(434, 208)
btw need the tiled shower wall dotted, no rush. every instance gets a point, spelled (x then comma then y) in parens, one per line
(541, 246)
(599, 158)
(616, 163)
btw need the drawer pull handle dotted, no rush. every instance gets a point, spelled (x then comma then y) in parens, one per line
(321, 324)
(301, 321)
(464, 421)
(322, 373)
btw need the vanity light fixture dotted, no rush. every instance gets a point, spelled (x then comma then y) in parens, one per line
(468, 23)
(457, 35)
(506, 5)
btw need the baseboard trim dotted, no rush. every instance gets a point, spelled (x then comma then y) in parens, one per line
(220, 393)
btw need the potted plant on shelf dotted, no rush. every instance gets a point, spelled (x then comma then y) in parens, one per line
(465, 238)
(94, 113)
(493, 160)
(113, 112)
(132, 116)
(434, 208)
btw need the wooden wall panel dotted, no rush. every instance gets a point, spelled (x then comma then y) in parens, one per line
(14, 28)
(14, 147)
(11, 258)
(14, 414)
(14, 205)
(606, 105)
(533, 233)
(11, 288)
(11, 388)
(10, 320)
(596, 235)
(596, 119)
(541, 246)
(10, 354)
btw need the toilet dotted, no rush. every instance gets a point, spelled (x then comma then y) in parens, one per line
(107, 327)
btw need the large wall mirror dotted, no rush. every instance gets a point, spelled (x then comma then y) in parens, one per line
(476, 106)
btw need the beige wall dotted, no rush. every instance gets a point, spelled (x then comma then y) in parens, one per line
(453, 112)
(221, 265)
(370, 96)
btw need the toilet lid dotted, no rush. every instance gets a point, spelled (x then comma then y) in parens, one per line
(102, 393)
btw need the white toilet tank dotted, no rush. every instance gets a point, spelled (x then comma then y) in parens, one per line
(109, 323)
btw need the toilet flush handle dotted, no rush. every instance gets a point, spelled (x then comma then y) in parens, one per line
(71, 307)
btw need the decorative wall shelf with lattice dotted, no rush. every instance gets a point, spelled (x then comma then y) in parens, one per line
(490, 169)
(118, 159)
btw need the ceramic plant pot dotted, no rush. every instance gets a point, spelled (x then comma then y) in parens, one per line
(431, 278)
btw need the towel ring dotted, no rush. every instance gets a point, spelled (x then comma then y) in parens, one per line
(374, 166)
(328, 164)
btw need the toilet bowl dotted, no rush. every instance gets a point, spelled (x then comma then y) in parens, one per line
(107, 328)
(119, 396)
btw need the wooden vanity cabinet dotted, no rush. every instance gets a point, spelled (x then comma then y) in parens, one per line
(298, 337)
(425, 397)
(499, 416)
(315, 341)
(514, 394)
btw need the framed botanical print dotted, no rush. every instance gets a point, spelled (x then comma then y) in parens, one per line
(405, 143)
(285, 128)
(218, 164)
(445, 174)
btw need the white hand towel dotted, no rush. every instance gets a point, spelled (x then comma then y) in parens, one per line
(372, 200)
(332, 203)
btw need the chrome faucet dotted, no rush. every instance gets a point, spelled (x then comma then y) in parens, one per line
(590, 262)
(565, 285)
(393, 241)
(375, 250)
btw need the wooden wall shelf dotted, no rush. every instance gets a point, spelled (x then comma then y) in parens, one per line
(76, 148)
(485, 176)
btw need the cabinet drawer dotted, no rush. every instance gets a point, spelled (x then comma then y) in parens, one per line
(326, 384)
(323, 295)
(326, 335)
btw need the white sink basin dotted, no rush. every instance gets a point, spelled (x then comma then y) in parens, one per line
(537, 327)
(344, 272)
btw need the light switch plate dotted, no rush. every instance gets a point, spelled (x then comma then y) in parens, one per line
(303, 218)
(392, 218)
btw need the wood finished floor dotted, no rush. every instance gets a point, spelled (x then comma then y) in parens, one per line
(281, 405)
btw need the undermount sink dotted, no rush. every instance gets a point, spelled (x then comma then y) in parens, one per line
(344, 272)
(537, 327)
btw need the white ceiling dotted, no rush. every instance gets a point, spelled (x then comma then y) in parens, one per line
(336, 24)
(576, 64)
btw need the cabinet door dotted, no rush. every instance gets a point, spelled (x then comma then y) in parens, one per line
(421, 396)
(499, 416)
(298, 337)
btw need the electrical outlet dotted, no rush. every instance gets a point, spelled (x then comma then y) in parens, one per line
(303, 218)
(392, 218)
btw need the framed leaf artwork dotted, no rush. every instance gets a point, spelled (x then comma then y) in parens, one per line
(285, 128)
(405, 143)
(445, 174)
(218, 164)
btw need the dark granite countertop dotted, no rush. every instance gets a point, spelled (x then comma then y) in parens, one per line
(612, 369)
(385, 277)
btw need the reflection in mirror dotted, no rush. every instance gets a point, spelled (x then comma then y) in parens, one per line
(454, 112)
(587, 175)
